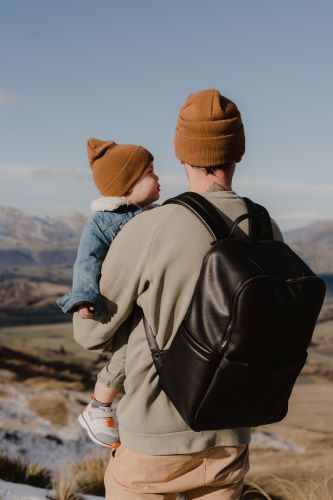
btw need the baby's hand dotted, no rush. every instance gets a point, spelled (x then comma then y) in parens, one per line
(86, 312)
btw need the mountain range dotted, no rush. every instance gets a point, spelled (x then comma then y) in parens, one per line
(28, 240)
(37, 254)
(18, 225)
(314, 243)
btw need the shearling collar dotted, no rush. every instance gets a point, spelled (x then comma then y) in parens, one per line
(109, 203)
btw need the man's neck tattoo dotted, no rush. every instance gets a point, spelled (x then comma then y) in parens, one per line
(217, 187)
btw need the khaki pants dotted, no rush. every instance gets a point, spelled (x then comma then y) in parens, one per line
(214, 474)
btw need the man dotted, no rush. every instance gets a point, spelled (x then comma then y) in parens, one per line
(154, 263)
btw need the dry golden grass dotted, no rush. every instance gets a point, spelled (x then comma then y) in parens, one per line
(271, 487)
(65, 489)
(83, 477)
(53, 409)
(87, 477)
(17, 471)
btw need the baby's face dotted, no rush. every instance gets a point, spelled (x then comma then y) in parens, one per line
(146, 190)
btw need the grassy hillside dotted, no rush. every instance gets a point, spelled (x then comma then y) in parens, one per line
(50, 342)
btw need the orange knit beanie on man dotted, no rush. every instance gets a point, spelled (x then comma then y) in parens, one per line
(116, 167)
(209, 130)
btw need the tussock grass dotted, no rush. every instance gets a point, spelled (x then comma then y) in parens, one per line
(253, 491)
(66, 488)
(86, 476)
(271, 487)
(17, 471)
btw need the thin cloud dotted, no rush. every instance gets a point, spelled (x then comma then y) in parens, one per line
(172, 180)
(175, 179)
(47, 188)
(8, 170)
(297, 216)
(7, 97)
(61, 174)
(40, 173)
(283, 186)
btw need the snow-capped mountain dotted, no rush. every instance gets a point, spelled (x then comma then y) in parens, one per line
(18, 225)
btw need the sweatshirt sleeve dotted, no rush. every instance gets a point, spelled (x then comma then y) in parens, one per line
(113, 373)
(122, 282)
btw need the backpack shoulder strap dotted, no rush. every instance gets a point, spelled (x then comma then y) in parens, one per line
(205, 211)
(260, 224)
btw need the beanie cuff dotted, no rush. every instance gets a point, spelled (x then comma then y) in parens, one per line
(210, 151)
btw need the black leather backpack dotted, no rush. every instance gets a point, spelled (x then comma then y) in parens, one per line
(237, 353)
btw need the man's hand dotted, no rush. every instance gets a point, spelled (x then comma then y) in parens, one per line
(86, 311)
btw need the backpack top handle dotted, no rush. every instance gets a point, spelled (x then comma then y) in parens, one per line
(260, 224)
(239, 219)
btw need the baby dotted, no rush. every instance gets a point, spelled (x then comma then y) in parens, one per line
(124, 175)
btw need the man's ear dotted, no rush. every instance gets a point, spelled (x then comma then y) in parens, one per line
(186, 168)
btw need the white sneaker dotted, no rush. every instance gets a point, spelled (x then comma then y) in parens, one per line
(100, 424)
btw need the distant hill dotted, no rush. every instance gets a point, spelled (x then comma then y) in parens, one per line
(18, 226)
(320, 231)
(36, 259)
(314, 243)
(27, 240)
(24, 301)
(19, 294)
(37, 255)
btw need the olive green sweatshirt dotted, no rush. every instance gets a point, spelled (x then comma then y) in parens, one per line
(154, 262)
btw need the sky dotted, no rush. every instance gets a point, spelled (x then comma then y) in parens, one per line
(120, 70)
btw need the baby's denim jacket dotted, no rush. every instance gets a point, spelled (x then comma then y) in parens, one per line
(96, 238)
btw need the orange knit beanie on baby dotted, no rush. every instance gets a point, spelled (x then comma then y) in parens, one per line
(209, 130)
(116, 167)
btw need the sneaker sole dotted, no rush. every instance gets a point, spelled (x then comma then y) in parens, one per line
(85, 425)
